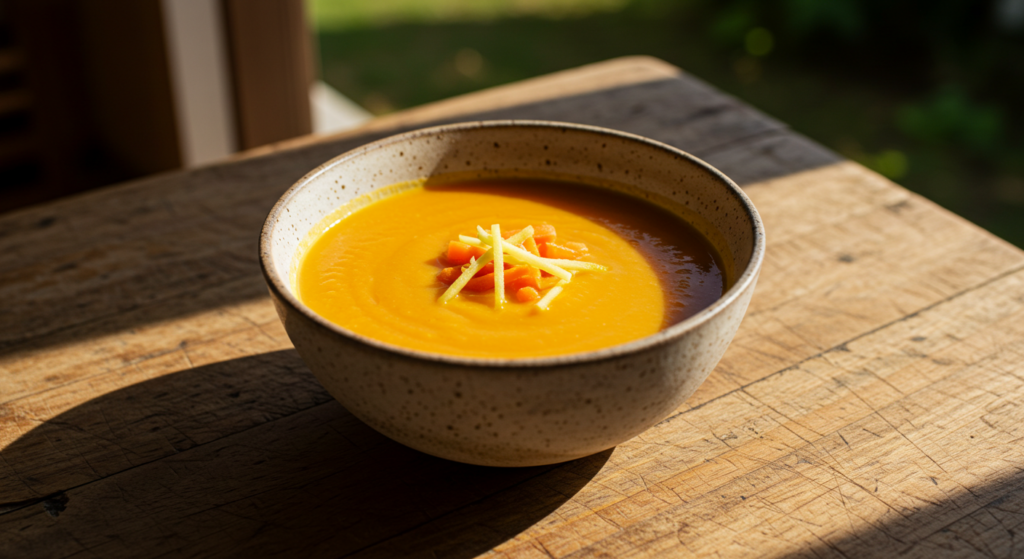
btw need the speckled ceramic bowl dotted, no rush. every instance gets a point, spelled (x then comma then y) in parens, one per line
(517, 412)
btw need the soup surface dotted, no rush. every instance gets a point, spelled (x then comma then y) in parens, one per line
(375, 271)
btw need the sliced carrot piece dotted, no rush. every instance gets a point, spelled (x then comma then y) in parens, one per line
(534, 278)
(460, 253)
(449, 275)
(552, 250)
(530, 246)
(509, 233)
(527, 294)
(530, 279)
(580, 248)
(516, 273)
(487, 269)
(544, 233)
(480, 284)
(548, 283)
(485, 282)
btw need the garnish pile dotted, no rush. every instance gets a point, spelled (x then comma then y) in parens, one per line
(531, 260)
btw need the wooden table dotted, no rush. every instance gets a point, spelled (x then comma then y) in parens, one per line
(871, 404)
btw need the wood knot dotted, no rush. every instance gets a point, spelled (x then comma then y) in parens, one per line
(55, 504)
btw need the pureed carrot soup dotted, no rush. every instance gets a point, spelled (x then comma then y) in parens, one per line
(618, 269)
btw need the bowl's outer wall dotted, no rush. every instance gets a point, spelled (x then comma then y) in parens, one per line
(514, 415)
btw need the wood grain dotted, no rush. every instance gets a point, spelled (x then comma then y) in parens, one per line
(151, 405)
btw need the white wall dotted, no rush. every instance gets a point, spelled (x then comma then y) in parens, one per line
(200, 79)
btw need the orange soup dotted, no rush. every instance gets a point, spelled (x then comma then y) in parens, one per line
(376, 270)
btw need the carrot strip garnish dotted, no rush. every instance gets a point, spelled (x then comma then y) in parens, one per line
(544, 233)
(449, 275)
(526, 261)
(518, 284)
(550, 296)
(487, 269)
(531, 246)
(516, 273)
(520, 236)
(547, 283)
(467, 275)
(460, 253)
(499, 265)
(520, 256)
(485, 282)
(579, 248)
(527, 294)
(576, 265)
(480, 284)
(552, 250)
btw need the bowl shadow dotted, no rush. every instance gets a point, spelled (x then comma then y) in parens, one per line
(251, 456)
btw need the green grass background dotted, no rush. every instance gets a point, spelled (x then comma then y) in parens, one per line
(936, 107)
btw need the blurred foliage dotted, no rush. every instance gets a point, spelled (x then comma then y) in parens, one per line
(948, 117)
(927, 93)
(337, 15)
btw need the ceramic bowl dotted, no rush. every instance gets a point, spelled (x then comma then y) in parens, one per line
(529, 411)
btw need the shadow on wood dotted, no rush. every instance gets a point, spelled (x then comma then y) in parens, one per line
(251, 456)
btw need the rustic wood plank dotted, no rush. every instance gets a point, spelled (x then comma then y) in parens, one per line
(848, 252)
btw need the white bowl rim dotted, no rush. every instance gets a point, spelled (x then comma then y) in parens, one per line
(749, 275)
